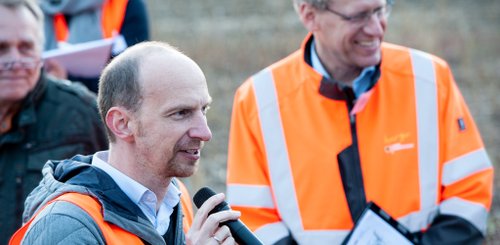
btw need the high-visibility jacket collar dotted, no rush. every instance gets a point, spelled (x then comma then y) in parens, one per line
(331, 88)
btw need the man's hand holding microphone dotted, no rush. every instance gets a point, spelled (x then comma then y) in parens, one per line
(216, 223)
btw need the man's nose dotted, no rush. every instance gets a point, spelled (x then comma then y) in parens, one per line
(11, 60)
(12, 53)
(200, 129)
(375, 25)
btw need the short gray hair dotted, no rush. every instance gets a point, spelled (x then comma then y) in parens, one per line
(33, 7)
(319, 4)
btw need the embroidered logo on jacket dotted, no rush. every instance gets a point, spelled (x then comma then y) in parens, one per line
(395, 143)
(391, 149)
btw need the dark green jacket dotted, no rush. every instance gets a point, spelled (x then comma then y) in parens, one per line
(58, 120)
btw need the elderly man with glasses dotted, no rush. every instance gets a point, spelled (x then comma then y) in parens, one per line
(40, 118)
(349, 122)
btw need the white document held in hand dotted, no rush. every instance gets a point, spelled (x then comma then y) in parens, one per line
(376, 227)
(82, 59)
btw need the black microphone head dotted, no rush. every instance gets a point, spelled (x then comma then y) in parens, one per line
(202, 195)
(205, 193)
(242, 235)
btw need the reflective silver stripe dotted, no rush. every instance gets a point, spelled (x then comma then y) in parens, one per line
(271, 233)
(416, 221)
(276, 150)
(257, 196)
(427, 123)
(321, 237)
(473, 212)
(466, 165)
(279, 168)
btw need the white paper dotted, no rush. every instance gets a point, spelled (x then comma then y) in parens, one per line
(119, 45)
(82, 59)
(371, 229)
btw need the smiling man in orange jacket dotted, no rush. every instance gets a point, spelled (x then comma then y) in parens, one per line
(347, 120)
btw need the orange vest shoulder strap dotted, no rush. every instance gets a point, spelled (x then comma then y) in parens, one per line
(113, 14)
(60, 27)
(112, 233)
(187, 207)
(18, 236)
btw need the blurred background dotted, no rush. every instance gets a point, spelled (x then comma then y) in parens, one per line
(233, 39)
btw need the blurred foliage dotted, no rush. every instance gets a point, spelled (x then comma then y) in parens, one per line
(233, 39)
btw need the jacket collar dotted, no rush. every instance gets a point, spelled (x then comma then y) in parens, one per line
(78, 175)
(27, 114)
(331, 88)
(79, 171)
(117, 206)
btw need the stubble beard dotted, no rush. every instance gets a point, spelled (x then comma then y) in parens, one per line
(173, 165)
(182, 169)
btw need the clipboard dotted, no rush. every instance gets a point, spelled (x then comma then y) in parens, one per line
(82, 59)
(375, 226)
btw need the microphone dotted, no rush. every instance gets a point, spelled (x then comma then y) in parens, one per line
(242, 235)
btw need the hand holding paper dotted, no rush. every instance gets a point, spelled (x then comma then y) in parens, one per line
(376, 227)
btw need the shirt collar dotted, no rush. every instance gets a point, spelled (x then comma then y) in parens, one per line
(363, 82)
(133, 189)
(360, 84)
(316, 63)
(144, 198)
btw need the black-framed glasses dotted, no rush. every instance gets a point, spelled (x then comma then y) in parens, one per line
(24, 63)
(365, 16)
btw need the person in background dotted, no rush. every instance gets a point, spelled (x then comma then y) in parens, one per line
(347, 120)
(76, 21)
(40, 118)
(153, 100)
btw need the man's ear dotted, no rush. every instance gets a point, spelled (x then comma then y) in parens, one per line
(119, 122)
(308, 15)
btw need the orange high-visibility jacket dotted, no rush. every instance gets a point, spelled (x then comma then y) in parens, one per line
(418, 148)
(113, 14)
(112, 233)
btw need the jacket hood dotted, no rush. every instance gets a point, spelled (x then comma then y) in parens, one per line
(78, 175)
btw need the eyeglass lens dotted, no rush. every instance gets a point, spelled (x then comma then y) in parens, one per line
(26, 63)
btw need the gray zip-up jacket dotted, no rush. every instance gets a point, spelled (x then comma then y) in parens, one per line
(65, 223)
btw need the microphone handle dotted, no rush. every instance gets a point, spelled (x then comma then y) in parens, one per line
(241, 234)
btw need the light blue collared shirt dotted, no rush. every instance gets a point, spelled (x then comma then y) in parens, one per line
(360, 85)
(140, 195)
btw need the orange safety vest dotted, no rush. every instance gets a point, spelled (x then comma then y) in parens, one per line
(112, 234)
(420, 151)
(113, 14)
